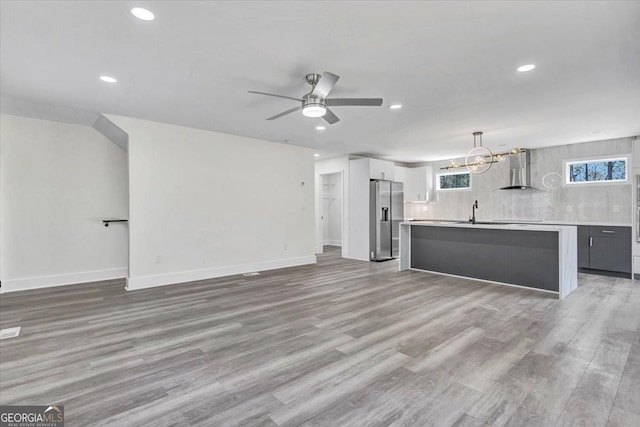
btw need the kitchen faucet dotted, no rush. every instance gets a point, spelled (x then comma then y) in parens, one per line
(472, 218)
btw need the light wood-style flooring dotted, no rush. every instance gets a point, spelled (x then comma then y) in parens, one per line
(341, 343)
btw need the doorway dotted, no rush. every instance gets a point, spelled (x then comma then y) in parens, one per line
(331, 211)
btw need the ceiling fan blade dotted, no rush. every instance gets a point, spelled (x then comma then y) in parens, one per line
(330, 117)
(359, 102)
(277, 96)
(284, 113)
(326, 83)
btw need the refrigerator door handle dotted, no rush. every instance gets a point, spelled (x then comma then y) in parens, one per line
(385, 214)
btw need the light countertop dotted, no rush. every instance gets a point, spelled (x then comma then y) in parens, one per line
(524, 221)
(505, 226)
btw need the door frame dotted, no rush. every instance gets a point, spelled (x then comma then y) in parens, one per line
(320, 211)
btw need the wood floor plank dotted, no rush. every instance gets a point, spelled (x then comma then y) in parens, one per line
(503, 399)
(447, 350)
(296, 412)
(628, 395)
(621, 418)
(499, 364)
(445, 410)
(555, 387)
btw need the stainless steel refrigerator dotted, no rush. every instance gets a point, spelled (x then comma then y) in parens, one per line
(386, 213)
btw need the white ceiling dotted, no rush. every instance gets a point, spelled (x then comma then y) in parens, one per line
(451, 64)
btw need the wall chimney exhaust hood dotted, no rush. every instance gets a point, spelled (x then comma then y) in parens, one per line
(519, 172)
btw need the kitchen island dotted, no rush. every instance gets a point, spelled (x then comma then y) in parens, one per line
(536, 256)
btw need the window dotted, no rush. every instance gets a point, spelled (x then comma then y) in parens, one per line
(453, 181)
(596, 171)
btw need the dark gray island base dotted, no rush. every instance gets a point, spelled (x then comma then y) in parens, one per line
(538, 257)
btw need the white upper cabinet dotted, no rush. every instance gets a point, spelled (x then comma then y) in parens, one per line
(381, 169)
(400, 174)
(418, 184)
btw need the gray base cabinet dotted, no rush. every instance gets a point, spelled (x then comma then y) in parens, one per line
(525, 258)
(583, 246)
(603, 248)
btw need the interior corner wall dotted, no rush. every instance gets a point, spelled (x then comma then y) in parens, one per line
(331, 166)
(205, 204)
(58, 182)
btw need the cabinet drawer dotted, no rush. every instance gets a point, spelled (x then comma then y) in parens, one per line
(604, 231)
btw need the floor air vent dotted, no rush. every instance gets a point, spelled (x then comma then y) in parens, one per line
(9, 333)
(254, 273)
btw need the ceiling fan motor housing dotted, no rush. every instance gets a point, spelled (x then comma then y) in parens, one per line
(310, 100)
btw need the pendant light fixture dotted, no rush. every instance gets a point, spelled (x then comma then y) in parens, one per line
(479, 159)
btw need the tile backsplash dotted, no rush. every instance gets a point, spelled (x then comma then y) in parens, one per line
(605, 203)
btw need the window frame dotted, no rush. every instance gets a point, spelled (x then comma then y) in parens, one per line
(438, 175)
(567, 167)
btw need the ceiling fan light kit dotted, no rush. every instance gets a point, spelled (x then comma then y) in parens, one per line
(315, 103)
(312, 106)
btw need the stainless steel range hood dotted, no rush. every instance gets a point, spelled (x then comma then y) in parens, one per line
(519, 172)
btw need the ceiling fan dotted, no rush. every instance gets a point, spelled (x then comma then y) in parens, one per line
(315, 103)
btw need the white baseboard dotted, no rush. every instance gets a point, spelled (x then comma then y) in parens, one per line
(143, 282)
(356, 258)
(332, 243)
(14, 285)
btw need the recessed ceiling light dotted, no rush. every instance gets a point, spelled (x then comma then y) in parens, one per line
(108, 79)
(395, 106)
(316, 155)
(596, 131)
(320, 128)
(527, 67)
(144, 14)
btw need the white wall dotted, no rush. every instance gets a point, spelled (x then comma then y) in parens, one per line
(330, 166)
(205, 204)
(58, 181)
(359, 209)
(588, 203)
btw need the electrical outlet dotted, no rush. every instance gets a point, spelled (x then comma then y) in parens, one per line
(616, 208)
(569, 208)
(158, 259)
(286, 247)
